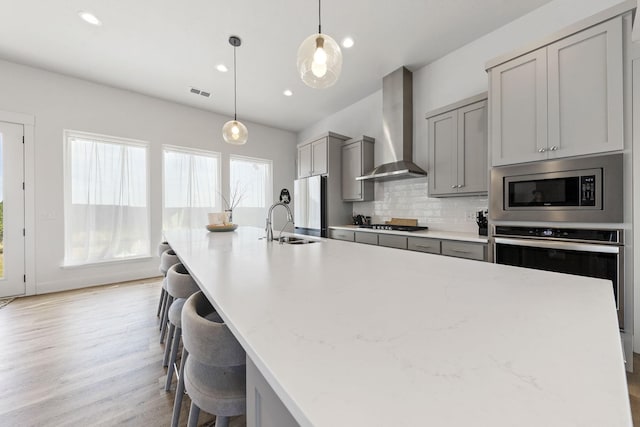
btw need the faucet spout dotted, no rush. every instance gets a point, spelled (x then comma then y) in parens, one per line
(269, 227)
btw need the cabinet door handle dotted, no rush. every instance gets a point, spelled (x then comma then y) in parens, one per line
(458, 251)
(424, 246)
(542, 150)
(454, 186)
(554, 148)
(460, 185)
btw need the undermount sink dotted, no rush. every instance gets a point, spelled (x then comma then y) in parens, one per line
(295, 240)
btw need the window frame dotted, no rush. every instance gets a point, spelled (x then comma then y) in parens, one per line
(191, 151)
(269, 162)
(68, 134)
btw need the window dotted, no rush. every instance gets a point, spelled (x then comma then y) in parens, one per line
(106, 211)
(251, 182)
(191, 187)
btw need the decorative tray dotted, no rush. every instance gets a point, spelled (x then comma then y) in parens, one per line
(225, 227)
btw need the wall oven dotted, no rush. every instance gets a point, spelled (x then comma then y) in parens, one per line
(587, 189)
(586, 252)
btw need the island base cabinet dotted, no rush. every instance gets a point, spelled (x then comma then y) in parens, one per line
(264, 407)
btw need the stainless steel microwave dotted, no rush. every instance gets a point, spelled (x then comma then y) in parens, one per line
(585, 189)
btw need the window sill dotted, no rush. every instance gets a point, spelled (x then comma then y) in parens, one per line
(107, 262)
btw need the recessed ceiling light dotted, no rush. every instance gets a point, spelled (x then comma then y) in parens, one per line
(89, 18)
(287, 93)
(347, 42)
(222, 68)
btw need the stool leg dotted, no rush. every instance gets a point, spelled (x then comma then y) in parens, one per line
(167, 349)
(165, 319)
(163, 296)
(174, 352)
(165, 309)
(194, 413)
(177, 402)
(222, 421)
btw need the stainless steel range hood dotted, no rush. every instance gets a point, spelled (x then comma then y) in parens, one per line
(397, 116)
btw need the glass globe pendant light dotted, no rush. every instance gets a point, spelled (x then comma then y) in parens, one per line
(319, 59)
(234, 132)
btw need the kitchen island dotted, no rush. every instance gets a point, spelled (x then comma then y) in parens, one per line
(359, 335)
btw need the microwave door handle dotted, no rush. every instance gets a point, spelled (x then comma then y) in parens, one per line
(570, 246)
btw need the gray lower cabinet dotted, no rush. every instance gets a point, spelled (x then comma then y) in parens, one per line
(477, 251)
(347, 235)
(422, 244)
(455, 248)
(368, 238)
(392, 241)
(264, 407)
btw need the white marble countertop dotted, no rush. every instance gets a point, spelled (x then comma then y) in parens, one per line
(434, 234)
(371, 336)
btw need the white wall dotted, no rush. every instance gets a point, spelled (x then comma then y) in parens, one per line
(59, 102)
(456, 76)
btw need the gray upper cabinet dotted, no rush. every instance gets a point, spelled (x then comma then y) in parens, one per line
(564, 99)
(585, 91)
(357, 158)
(314, 156)
(458, 149)
(518, 92)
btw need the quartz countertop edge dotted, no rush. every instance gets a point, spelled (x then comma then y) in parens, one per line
(432, 234)
(367, 335)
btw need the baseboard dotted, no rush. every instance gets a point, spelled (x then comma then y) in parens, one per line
(86, 282)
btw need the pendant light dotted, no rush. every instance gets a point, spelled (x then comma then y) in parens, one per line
(234, 132)
(319, 59)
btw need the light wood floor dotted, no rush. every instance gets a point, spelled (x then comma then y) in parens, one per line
(90, 357)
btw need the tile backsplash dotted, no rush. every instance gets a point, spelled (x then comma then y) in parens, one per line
(407, 198)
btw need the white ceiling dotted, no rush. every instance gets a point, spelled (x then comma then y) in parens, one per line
(162, 47)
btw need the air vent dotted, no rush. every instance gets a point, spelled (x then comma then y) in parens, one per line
(200, 92)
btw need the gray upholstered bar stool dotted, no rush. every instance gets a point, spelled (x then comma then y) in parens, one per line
(167, 259)
(213, 366)
(180, 286)
(162, 246)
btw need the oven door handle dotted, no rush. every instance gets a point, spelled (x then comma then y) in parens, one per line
(569, 246)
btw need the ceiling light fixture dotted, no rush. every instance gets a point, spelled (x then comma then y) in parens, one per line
(319, 59)
(347, 42)
(222, 68)
(287, 92)
(234, 132)
(89, 18)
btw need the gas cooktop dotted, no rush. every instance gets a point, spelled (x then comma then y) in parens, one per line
(394, 227)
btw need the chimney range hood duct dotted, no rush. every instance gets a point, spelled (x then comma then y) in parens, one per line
(397, 115)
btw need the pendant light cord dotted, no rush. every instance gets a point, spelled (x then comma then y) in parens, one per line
(319, 19)
(235, 90)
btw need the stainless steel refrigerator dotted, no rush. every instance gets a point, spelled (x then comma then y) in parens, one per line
(310, 206)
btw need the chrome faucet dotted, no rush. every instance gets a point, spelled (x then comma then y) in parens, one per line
(269, 228)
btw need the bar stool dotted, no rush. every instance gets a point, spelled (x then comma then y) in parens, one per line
(180, 286)
(162, 246)
(213, 366)
(167, 259)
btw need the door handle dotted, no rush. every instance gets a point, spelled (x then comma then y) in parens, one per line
(554, 148)
(542, 150)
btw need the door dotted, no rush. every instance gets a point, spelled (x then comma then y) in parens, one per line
(585, 91)
(443, 152)
(351, 168)
(519, 109)
(472, 148)
(319, 157)
(12, 267)
(304, 161)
